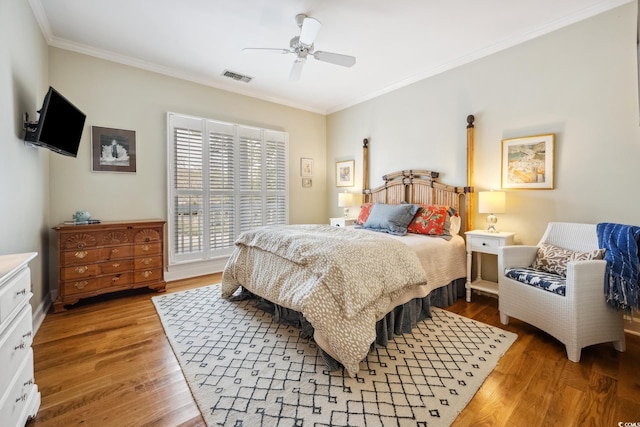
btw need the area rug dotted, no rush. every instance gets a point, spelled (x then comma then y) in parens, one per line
(244, 369)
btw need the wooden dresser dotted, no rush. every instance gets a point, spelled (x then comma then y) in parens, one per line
(19, 395)
(112, 256)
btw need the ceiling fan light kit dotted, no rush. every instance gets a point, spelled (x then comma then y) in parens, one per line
(302, 46)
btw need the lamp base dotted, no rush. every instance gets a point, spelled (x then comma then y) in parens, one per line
(492, 220)
(346, 212)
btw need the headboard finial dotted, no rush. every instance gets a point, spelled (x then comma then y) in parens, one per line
(470, 120)
(365, 143)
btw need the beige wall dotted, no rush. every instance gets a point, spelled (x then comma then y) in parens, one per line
(118, 96)
(24, 171)
(579, 82)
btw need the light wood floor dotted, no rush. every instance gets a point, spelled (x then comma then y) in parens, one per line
(108, 363)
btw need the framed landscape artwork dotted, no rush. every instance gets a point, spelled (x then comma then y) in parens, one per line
(527, 162)
(113, 150)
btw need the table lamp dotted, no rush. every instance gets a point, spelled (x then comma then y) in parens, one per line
(491, 202)
(344, 201)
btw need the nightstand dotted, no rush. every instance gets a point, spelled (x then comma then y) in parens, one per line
(484, 242)
(342, 222)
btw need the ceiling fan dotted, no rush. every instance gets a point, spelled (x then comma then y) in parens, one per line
(302, 46)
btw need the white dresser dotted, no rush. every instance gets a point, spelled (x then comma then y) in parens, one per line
(19, 395)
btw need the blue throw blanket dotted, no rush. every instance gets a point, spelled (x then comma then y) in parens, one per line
(622, 274)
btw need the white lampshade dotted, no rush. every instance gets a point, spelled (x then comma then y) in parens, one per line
(491, 202)
(344, 201)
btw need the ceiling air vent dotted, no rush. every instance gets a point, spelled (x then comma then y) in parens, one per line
(237, 76)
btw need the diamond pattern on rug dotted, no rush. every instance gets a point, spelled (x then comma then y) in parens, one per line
(246, 370)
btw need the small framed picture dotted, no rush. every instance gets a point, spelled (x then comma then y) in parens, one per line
(306, 182)
(306, 167)
(344, 173)
(113, 150)
(527, 162)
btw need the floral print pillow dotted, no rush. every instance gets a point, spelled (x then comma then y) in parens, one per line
(554, 259)
(430, 219)
(365, 210)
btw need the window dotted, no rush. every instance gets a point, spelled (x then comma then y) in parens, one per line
(224, 179)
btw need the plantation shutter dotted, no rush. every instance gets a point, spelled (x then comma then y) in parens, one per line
(224, 179)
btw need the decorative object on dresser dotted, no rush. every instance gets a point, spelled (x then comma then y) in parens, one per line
(483, 242)
(95, 259)
(491, 202)
(19, 395)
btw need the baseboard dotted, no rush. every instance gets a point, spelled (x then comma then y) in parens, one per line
(194, 269)
(41, 311)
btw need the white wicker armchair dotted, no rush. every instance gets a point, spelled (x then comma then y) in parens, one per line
(579, 318)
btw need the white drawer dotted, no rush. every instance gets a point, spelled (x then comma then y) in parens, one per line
(13, 293)
(482, 243)
(19, 394)
(15, 343)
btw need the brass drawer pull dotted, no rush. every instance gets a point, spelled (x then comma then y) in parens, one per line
(146, 261)
(115, 279)
(116, 264)
(81, 254)
(115, 250)
(146, 247)
(147, 273)
(81, 285)
(82, 269)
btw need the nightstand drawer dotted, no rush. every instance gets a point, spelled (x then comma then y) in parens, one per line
(484, 243)
(342, 222)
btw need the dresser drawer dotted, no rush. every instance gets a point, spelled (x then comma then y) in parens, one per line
(15, 343)
(18, 395)
(79, 286)
(83, 271)
(79, 240)
(147, 275)
(14, 293)
(115, 252)
(116, 266)
(148, 262)
(80, 256)
(145, 249)
(116, 281)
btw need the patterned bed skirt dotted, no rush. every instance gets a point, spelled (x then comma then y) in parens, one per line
(400, 320)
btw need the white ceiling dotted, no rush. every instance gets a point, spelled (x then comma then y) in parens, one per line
(395, 42)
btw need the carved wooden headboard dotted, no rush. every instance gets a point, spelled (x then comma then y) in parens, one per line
(421, 186)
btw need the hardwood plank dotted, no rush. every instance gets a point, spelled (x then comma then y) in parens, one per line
(106, 361)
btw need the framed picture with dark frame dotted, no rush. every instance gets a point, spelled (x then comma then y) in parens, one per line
(113, 150)
(527, 162)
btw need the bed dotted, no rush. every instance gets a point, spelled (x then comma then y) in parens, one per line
(354, 287)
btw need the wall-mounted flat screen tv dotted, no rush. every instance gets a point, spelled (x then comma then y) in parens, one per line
(59, 127)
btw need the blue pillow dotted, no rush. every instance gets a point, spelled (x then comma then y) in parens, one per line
(392, 219)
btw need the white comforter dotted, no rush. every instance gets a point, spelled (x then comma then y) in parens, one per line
(342, 280)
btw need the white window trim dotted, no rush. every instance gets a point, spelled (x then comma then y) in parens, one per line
(181, 120)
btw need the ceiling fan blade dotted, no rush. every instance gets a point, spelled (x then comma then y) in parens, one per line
(296, 70)
(270, 49)
(335, 58)
(309, 30)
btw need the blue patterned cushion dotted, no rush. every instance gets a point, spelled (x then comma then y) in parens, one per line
(539, 279)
